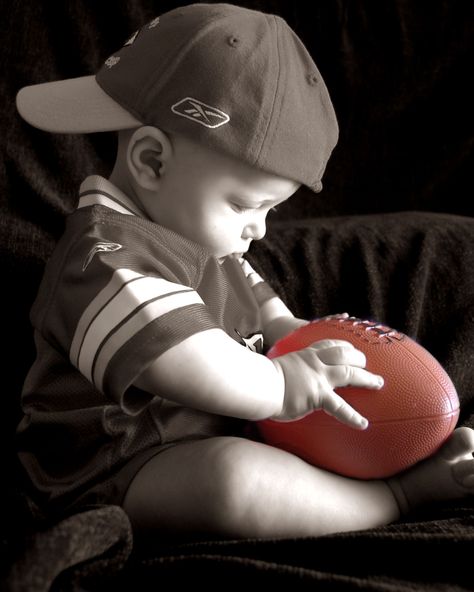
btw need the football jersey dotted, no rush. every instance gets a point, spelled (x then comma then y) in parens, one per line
(118, 291)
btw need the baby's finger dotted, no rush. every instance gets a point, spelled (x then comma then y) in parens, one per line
(336, 406)
(345, 375)
(330, 343)
(349, 356)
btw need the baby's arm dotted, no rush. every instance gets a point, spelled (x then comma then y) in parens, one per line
(212, 372)
(280, 326)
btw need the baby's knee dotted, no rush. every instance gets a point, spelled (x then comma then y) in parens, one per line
(236, 472)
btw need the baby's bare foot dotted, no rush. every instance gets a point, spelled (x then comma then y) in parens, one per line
(448, 474)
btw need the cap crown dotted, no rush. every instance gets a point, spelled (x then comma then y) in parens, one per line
(238, 80)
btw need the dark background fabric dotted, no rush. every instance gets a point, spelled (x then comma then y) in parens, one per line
(389, 238)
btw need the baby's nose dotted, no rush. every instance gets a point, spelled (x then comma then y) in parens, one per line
(255, 230)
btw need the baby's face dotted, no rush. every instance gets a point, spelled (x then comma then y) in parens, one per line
(217, 201)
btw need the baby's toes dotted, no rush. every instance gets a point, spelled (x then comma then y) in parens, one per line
(459, 445)
(463, 472)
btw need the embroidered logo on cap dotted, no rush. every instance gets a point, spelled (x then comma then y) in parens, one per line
(112, 61)
(98, 248)
(154, 23)
(132, 38)
(200, 112)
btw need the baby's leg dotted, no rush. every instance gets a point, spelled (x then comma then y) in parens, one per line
(233, 488)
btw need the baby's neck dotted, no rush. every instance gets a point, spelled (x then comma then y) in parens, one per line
(121, 181)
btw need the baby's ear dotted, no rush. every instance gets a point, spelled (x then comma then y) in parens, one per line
(149, 149)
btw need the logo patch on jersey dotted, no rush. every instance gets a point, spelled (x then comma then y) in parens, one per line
(200, 112)
(253, 342)
(100, 248)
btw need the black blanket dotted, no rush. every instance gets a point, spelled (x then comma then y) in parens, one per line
(390, 238)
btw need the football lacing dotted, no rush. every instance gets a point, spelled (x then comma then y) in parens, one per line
(381, 331)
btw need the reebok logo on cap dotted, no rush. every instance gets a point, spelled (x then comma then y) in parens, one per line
(200, 112)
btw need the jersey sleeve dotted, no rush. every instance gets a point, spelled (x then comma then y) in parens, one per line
(121, 300)
(271, 305)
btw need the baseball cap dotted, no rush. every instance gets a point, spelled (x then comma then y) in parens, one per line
(240, 81)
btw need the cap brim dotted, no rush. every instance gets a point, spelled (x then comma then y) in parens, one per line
(75, 105)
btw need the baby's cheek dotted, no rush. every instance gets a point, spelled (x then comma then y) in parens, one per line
(209, 234)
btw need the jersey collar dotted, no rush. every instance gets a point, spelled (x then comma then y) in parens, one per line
(96, 190)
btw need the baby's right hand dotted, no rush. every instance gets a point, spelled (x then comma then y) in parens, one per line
(311, 375)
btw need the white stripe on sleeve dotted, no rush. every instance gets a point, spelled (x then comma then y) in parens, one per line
(122, 308)
(118, 280)
(252, 276)
(136, 323)
(271, 308)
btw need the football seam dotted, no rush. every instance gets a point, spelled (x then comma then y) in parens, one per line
(371, 422)
(412, 419)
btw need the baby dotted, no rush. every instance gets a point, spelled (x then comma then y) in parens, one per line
(150, 325)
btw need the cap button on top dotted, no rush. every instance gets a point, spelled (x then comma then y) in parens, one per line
(233, 41)
(312, 79)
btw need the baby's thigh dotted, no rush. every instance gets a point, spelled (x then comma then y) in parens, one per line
(196, 489)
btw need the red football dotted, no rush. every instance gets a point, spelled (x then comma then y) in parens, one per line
(409, 417)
